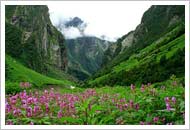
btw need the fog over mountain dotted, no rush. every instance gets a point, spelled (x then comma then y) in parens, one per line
(106, 20)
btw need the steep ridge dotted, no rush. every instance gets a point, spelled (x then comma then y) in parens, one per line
(136, 54)
(85, 55)
(32, 39)
(35, 49)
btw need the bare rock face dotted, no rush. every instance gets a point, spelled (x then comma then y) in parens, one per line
(127, 42)
(38, 34)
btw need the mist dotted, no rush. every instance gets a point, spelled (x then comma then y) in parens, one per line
(105, 20)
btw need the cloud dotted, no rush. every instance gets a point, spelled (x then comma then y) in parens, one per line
(71, 32)
(72, 27)
(110, 18)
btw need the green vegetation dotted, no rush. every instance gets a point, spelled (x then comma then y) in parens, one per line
(16, 73)
(119, 105)
(85, 55)
(154, 63)
(13, 36)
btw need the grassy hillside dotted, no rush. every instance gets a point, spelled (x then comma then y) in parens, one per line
(16, 73)
(155, 63)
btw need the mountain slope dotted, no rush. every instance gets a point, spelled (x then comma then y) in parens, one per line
(32, 39)
(147, 56)
(155, 23)
(85, 55)
(35, 49)
(16, 73)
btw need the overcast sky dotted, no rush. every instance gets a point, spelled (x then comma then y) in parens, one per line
(112, 19)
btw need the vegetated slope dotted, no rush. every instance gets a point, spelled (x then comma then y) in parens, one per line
(33, 40)
(152, 55)
(85, 55)
(155, 23)
(16, 73)
(35, 49)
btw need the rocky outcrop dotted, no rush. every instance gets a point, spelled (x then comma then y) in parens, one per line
(38, 34)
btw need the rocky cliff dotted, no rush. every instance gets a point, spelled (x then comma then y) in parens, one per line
(85, 55)
(39, 45)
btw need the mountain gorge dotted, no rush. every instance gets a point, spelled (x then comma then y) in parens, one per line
(85, 55)
(33, 41)
(54, 76)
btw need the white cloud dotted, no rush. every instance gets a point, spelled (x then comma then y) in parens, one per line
(110, 18)
(71, 32)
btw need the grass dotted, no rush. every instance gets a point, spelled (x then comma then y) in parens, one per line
(17, 73)
(152, 52)
(106, 106)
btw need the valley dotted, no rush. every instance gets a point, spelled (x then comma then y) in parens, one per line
(52, 80)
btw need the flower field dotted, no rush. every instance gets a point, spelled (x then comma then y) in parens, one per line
(148, 104)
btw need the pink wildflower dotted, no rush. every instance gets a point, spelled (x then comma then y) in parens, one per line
(59, 114)
(174, 100)
(168, 107)
(155, 119)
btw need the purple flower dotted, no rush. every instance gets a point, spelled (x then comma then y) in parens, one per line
(62, 105)
(126, 105)
(7, 107)
(36, 109)
(122, 100)
(155, 119)
(131, 103)
(31, 123)
(168, 107)
(24, 94)
(45, 92)
(28, 109)
(59, 114)
(35, 100)
(167, 99)
(47, 107)
(9, 122)
(174, 100)
(142, 123)
(14, 112)
(137, 106)
(29, 112)
(29, 100)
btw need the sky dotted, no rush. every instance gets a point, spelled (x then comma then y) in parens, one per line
(113, 19)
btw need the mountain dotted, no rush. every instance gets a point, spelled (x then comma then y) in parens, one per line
(32, 39)
(155, 23)
(151, 53)
(34, 46)
(85, 55)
